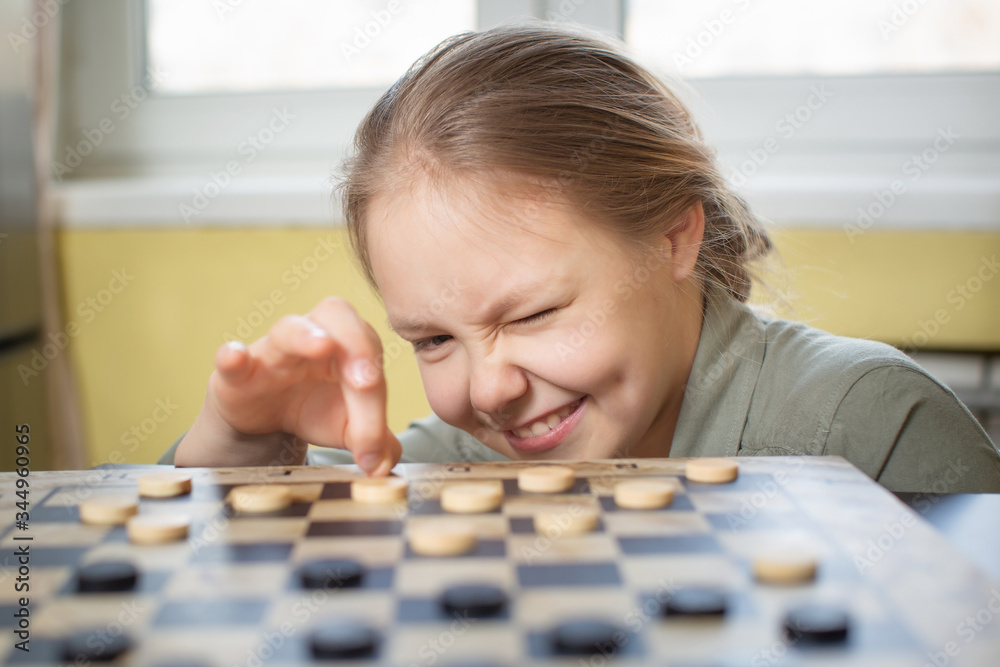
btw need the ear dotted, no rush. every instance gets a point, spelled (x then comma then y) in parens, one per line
(684, 241)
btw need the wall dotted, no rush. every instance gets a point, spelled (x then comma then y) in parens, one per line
(152, 306)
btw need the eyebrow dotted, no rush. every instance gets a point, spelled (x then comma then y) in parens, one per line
(502, 305)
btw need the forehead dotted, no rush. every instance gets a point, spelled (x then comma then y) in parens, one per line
(467, 245)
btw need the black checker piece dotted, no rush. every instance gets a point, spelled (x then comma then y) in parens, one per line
(696, 601)
(81, 648)
(473, 600)
(107, 577)
(331, 573)
(817, 624)
(587, 637)
(343, 640)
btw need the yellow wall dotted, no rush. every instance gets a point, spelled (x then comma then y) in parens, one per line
(153, 339)
(153, 343)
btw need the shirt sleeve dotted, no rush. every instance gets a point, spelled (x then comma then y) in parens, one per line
(911, 433)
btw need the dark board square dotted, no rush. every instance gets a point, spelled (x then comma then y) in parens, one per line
(672, 544)
(522, 524)
(527, 525)
(7, 611)
(116, 535)
(484, 549)
(681, 503)
(425, 506)
(569, 574)
(55, 514)
(248, 611)
(353, 528)
(336, 491)
(54, 556)
(44, 651)
(274, 552)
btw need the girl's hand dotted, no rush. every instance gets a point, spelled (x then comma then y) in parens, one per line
(317, 377)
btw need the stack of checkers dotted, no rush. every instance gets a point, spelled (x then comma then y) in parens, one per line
(563, 509)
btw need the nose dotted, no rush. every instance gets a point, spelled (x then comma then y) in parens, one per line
(494, 383)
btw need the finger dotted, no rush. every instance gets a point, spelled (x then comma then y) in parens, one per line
(295, 338)
(360, 364)
(233, 362)
(364, 386)
(393, 452)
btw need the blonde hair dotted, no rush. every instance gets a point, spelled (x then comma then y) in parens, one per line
(561, 107)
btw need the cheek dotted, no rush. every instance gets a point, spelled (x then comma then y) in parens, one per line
(585, 357)
(446, 387)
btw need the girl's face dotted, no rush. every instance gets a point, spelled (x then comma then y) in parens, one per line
(534, 330)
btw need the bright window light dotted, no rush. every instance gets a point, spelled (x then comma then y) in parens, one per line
(718, 38)
(266, 45)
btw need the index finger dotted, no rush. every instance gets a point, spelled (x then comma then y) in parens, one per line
(367, 435)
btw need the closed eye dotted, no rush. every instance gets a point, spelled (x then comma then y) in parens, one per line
(537, 317)
(435, 342)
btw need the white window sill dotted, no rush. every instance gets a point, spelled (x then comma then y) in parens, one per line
(965, 196)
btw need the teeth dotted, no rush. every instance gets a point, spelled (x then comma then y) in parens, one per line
(543, 426)
(539, 428)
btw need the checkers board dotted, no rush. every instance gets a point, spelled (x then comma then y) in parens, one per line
(231, 593)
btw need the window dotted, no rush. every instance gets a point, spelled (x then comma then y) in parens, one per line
(815, 107)
(715, 38)
(308, 45)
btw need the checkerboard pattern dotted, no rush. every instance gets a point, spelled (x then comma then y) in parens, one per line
(230, 594)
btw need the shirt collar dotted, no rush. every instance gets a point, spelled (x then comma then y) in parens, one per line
(722, 379)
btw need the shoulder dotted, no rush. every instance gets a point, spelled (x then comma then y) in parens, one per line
(805, 373)
(819, 393)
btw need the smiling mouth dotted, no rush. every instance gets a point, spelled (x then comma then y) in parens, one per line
(564, 420)
(546, 424)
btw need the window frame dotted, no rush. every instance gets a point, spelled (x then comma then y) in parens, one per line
(850, 150)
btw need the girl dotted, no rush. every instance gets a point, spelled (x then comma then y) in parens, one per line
(546, 226)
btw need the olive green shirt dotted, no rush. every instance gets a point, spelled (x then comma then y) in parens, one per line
(770, 387)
